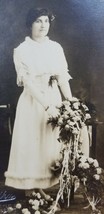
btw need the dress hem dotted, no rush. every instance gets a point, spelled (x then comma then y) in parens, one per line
(27, 184)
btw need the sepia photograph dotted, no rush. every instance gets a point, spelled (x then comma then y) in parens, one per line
(52, 106)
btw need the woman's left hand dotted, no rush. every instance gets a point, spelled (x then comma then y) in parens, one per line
(53, 111)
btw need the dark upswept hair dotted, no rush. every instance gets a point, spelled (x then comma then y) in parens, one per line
(33, 14)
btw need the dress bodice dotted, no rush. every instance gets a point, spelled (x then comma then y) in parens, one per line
(37, 59)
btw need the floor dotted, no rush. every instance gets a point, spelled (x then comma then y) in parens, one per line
(76, 206)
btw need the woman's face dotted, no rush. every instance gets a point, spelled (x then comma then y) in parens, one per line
(40, 27)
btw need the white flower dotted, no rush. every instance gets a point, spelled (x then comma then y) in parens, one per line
(31, 201)
(18, 206)
(36, 202)
(57, 163)
(71, 123)
(60, 121)
(76, 105)
(80, 165)
(75, 131)
(24, 210)
(97, 177)
(83, 159)
(98, 170)
(67, 127)
(78, 156)
(72, 113)
(88, 116)
(41, 202)
(35, 207)
(65, 116)
(68, 108)
(33, 193)
(76, 118)
(10, 209)
(95, 163)
(90, 160)
(38, 195)
(66, 102)
(85, 107)
(85, 165)
(37, 212)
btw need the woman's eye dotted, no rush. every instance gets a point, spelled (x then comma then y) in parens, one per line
(37, 21)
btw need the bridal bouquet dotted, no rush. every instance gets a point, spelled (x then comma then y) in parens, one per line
(72, 117)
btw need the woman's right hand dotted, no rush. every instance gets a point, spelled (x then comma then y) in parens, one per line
(53, 111)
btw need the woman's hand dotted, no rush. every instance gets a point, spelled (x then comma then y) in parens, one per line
(52, 111)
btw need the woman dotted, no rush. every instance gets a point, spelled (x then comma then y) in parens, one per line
(41, 69)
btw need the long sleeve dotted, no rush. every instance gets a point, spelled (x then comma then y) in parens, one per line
(24, 79)
(66, 90)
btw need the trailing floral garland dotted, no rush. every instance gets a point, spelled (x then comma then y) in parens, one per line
(72, 163)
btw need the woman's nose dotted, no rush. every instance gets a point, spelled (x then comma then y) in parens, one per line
(43, 24)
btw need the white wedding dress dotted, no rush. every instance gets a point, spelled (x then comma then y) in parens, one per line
(34, 144)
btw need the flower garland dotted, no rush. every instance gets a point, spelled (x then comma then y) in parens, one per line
(73, 115)
(35, 204)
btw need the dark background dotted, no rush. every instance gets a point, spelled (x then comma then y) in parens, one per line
(79, 28)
